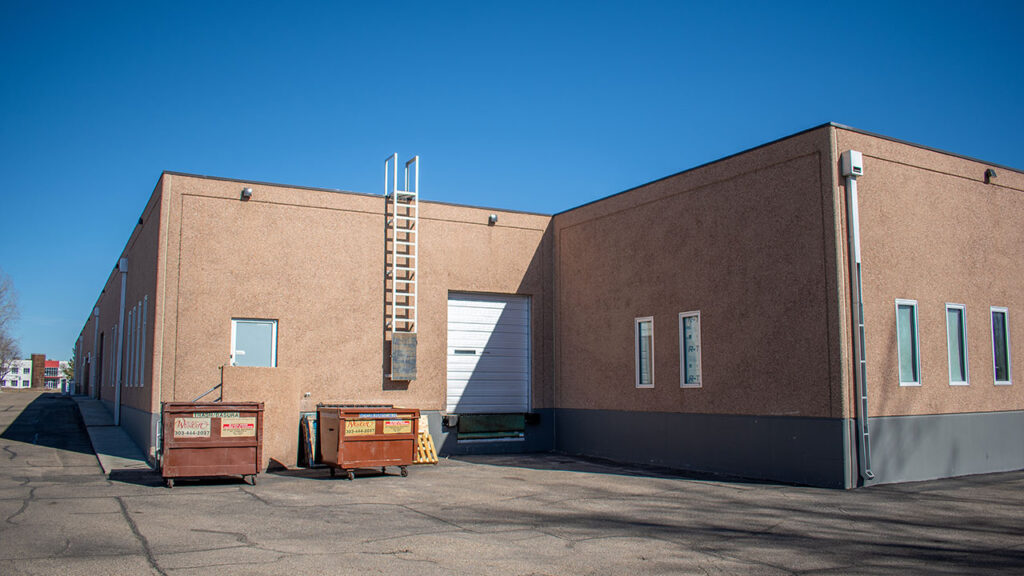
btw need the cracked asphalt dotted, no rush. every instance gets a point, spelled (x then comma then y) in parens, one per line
(524, 515)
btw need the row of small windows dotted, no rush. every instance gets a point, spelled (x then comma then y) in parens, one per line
(908, 347)
(689, 351)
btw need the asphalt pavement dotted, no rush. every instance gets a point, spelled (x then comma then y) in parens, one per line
(523, 515)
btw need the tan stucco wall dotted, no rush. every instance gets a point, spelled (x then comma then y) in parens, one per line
(934, 232)
(314, 261)
(748, 241)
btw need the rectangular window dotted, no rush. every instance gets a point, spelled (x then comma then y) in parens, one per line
(136, 341)
(142, 362)
(689, 350)
(1001, 344)
(644, 352)
(956, 341)
(253, 342)
(126, 374)
(906, 343)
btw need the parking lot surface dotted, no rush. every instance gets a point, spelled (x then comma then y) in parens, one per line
(527, 515)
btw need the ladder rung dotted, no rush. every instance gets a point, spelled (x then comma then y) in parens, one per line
(404, 217)
(404, 268)
(404, 243)
(403, 307)
(405, 281)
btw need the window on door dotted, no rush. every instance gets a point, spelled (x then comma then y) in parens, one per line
(253, 342)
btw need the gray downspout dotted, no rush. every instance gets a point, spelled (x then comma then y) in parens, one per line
(122, 266)
(853, 166)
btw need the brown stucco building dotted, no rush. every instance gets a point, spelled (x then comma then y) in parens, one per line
(703, 321)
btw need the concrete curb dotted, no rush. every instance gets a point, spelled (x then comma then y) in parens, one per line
(114, 449)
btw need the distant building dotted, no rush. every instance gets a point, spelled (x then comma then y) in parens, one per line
(37, 372)
(53, 375)
(20, 375)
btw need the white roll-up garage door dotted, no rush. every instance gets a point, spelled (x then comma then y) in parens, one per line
(488, 353)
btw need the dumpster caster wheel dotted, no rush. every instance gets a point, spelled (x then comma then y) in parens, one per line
(351, 475)
(384, 470)
(169, 482)
(405, 472)
(252, 479)
(332, 472)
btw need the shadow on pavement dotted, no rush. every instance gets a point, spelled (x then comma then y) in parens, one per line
(562, 462)
(53, 421)
(137, 477)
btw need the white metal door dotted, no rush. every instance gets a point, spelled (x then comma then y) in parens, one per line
(488, 353)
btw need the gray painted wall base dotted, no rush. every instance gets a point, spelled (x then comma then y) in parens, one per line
(139, 426)
(911, 448)
(786, 449)
(538, 438)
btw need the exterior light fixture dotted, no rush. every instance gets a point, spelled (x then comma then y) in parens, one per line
(990, 175)
(492, 219)
(246, 193)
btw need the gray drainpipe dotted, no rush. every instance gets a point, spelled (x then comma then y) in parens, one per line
(853, 166)
(95, 389)
(122, 266)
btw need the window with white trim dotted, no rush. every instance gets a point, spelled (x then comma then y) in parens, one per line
(253, 342)
(1001, 345)
(644, 339)
(689, 350)
(142, 361)
(907, 347)
(956, 343)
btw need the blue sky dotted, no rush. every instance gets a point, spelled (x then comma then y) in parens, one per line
(531, 106)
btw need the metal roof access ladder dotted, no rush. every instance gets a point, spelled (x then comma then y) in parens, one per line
(401, 273)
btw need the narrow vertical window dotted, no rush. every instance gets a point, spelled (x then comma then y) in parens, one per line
(1001, 345)
(138, 342)
(142, 362)
(645, 352)
(689, 350)
(126, 359)
(906, 343)
(253, 342)
(956, 342)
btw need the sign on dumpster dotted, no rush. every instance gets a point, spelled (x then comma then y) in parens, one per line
(398, 426)
(237, 427)
(360, 427)
(191, 427)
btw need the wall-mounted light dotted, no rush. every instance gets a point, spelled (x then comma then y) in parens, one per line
(246, 193)
(492, 219)
(990, 175)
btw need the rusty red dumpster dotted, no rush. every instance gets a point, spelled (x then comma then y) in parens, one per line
(203, 439)
(355, 436)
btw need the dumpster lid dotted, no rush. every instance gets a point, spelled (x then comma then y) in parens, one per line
(212, 406)
(322, 405)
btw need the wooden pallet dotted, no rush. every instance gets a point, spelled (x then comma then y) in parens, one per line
(425, 452)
